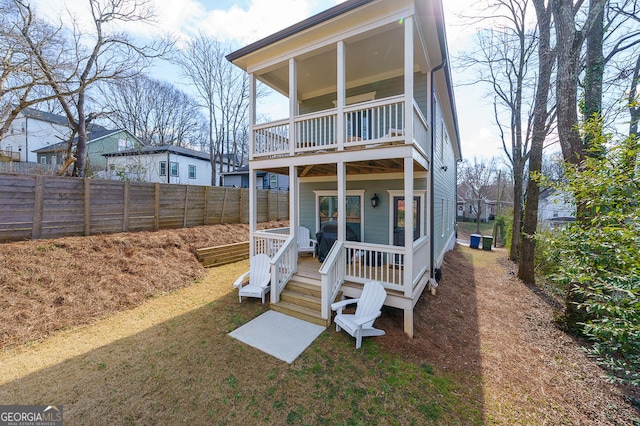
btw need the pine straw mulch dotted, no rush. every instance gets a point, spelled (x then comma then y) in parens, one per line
(49, 285)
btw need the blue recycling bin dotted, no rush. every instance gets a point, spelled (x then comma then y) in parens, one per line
(475, 241)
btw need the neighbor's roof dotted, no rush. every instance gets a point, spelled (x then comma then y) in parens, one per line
(95, 133)
(185, 152)
(45, 116)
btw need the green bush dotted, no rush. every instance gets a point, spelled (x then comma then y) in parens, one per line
(597, 257)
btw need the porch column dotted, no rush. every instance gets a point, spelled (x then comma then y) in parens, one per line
(408, 226)
(408, 80)
(293, 105)
(294, 201)
(253, 203)
(341, 83)
(252, 113)
(342, 201)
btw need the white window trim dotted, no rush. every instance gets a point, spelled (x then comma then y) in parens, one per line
(171, 163)
(160, 173)
(442, 216)
(189, 171)
(400, 193)
(334, 193)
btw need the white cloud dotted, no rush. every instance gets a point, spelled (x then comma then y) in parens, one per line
(263, 17)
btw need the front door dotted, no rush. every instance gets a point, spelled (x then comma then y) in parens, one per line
(399, 223)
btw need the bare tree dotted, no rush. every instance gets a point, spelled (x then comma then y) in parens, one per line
(224, 92)
(102, 54)
(478, 178)
(570, 37)
(22, 84)
(503, 62)
(540, 130)
(156, 112)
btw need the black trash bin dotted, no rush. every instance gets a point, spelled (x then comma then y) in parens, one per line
(487, 241)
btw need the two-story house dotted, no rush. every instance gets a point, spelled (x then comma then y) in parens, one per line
(32, 130)
(371, 146)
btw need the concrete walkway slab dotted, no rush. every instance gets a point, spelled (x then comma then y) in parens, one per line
(279, 335)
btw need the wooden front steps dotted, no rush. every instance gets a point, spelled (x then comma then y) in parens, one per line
(301, 299)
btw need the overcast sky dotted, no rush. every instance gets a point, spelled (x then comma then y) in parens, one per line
(240, 22)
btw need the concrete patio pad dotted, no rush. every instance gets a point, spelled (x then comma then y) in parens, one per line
(279, 335)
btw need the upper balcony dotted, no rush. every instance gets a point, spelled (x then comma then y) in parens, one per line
(366, 124)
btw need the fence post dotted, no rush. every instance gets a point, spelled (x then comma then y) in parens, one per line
(87, 206)
(125, 213)
(224, 204)
(38, 208)
(205, 213)
(157, 207)
(241, 208)
(186, 203)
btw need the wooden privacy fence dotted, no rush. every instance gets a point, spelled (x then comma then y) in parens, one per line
(51, 206)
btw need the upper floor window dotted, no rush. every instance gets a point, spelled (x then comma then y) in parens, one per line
(163, 168)
(192, 171)
(174, 169)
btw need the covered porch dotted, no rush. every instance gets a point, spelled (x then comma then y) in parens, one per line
(344, 271)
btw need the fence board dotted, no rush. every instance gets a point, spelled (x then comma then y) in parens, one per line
(53, 206)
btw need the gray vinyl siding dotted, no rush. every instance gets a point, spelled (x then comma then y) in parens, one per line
(376, 221)
(444, 184)
(384, 89)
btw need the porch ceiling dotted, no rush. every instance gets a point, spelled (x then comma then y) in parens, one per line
(370, 57)
(392, 165)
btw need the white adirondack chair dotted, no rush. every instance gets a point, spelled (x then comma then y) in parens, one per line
(259, 275)
(360, 324)
(306, 244)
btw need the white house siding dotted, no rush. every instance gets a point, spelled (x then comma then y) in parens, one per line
(147, 167)
(29, 134)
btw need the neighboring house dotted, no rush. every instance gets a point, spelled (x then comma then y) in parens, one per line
(226, 164)
(372, 124)
(555, 208)
(99, 141)
(264, 180)
(468, 205)
(32, 130)
(162, 164)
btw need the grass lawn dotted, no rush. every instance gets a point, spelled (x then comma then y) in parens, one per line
(467, 228)
(170, 361)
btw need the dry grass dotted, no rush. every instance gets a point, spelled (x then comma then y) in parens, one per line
(486, 351)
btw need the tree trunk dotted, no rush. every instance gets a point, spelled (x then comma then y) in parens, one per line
(526, 266)
(514, 252)
(568, 44)
(594, 67)
(81, 146)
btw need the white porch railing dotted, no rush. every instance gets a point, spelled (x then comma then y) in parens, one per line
(374, 262)
(332, 274)
(374, 122)
(360, 262)
(271, 138)
(420, 258)
(366, 123)
(421, 129)
(270, 241)
(283, 265)
(316, 131)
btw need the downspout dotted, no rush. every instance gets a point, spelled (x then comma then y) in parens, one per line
(168, 166)
(431, 184)
(26, 138)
